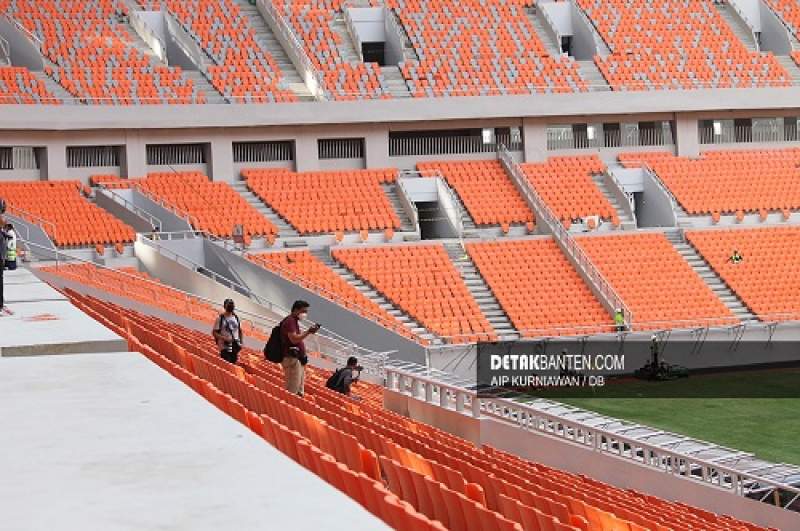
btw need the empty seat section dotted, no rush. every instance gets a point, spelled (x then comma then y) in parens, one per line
(242, 70)
(64, 213)
(421, 280)
(19, 85)
(94, 57)
(109, 181)
(362, 448)
(211, 206)
(332, 201)
(728, 182)
(538, 288)
(566, 185)
(486, 191)
(659, 287)
(676, 44)
(342, 79)
(132, 284)
(479, 47)
(768, 279)
(310, 272)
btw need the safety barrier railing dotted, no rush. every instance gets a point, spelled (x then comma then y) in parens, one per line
(47, 226)
(154, 222)
(454, 145)
(565, 240)
(423, 384)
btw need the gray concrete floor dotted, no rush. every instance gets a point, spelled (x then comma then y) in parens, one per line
(112, 442)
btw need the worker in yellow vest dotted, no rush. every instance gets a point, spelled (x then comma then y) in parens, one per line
(11, 247)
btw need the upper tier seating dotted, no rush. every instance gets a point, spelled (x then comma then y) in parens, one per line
(327, 201)
(422, 281)
(566, 185)
(242, 70)
(355, 445)
(676, 44)
(479, 47)
(304, 269)
(768, 279)
(94, 58)
(132, 284)
(728, 182)
(211, 206)
(19, 85)
(486, 191)
(519, 272)
(312, 22)
(659, 287)
(67, 217)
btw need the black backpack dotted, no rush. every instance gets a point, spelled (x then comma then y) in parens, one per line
(336, 381)
(273, 350)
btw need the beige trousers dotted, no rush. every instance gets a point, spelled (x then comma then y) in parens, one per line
(294, 375)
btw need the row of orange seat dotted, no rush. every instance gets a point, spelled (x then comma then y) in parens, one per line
(441, 479)
(20, 85)
(728, 182)
(64, 213)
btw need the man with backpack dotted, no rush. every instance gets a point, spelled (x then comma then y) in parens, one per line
(4, 237)
(341, 380)
(228, 333)
(293, 349)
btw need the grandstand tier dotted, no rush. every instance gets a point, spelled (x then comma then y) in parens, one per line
(327, 202)
(729, 182)
(661, 289)
(767, 279)
(19, 85)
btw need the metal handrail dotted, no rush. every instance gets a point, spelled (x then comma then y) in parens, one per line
(155, 223)
(422, 384)
(24, 214)
(23, 29)
(565, 240)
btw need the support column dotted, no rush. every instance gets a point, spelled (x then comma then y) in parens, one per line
(219, 161)
(534, 133)
(376, 147)
(306, 154)
(687, 143)
(134, 156)
(55, 163)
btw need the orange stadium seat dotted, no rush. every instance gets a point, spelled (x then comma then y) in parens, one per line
(19, 85)
(68, 217)
(479, 47)
(768, 279)
(728, 182)
(242, 71)
(319, 202)
(411, 475)
(422, 281)
(659, 287)
(486, 191)
(565, 184)
(303, 268)
(213, 207)
(93, 56)
(522, 271)
(676, 44)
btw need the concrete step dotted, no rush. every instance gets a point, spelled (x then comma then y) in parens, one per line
(285, 229)
(347, 48)
(539, 25)
(625, 219)
(394, 81)
(204, 85)
(740, 29)
(593, 77)
(789, 64)
(55, 88)
(406, 225)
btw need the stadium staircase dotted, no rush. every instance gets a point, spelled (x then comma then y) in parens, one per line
(593, 77)
(740, 29)
(371, 293)
(550, 44)
(285, 230)
(789, 64)
(477, 286)
(347, 48)
(625, 219)
(390, 189)
(395, 82)
(54, 87)
(711, 278)
(268, 42)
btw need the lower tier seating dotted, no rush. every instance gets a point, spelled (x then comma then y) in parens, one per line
(411, 475)
(303, 268)
(538, 288)
(729, 182)
(19, 85)
(566, 185)
(422, 281)
(214, 207)
(327, 201)
(65, 214)
(659, 287)
(486, 191)
(767, 279)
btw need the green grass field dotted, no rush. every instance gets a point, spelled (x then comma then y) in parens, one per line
(769, 427)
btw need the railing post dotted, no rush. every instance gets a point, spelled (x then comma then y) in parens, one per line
(459, 401)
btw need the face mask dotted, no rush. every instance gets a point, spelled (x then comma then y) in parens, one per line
(303, 316)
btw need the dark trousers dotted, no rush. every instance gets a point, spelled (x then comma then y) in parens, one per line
(229, 356)
(2, 301)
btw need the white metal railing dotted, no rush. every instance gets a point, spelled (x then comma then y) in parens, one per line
(564, 137)
(180, 213)
(24, 158)
(405, 198)
(311, 76)
(48, 227)
(447, 392)
(438, 145)
(32, 36)
(154, 222)
(628, 196)
(580, 259)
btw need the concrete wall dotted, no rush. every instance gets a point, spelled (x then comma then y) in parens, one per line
(584, 47)
(653, 205)
(105, 200)
(774, 35)
(23, 51)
